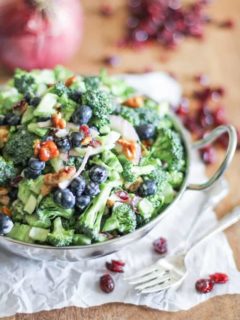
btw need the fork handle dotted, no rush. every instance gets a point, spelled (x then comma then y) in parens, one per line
(222, 224)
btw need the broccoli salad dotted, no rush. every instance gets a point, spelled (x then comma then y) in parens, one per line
(83, 159)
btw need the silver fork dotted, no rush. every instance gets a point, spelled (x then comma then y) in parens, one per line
(171, 271)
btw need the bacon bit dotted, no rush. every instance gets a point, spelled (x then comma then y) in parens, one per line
(4, 200)
(147, 143)
(95, 143)
(6, 211)
(86, 141)
(134, 102)
(129, 148)
(44, 154)
(3, 191)
(4, 133)
(70, 81)
(57, 121)
(21, 106)
(36, 147)
(110, 203)
(51, 180)
(85, 130)
(133, 187)
(45, 150)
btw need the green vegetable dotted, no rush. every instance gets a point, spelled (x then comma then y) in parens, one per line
(168, 148)
(9, 96)
(38, 234)
(7, 171)
(145, 209)
(34, 128)
(90, 221)
(46, 105)
(81, 239)
(60, 237)
(31, 204)
(20, 232)
(24, 81)
(131, 172)
(123, 219)
(59, 89)
(34, 221)
(19, 147)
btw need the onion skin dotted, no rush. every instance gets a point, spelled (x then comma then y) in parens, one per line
(31, 38)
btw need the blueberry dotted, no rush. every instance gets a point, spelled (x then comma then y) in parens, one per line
(82, 202)
(2, 120)
(6, 224)
(148, 188)
(92, 189)
(76, 139)
(32, 101)
(29, 173)
(36, 165)
(98, 174)
(82, 115)
(78, 185)
(63, 144)
(146, 131)
(42, 119)
(13, 193)
(65, 198)
(75, 95)
(12, 119)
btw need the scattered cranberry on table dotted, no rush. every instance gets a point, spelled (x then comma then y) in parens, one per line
(219, 277)
(204, 285)
(115, 266)
(106, 283)
(160, 245)
(106, 10)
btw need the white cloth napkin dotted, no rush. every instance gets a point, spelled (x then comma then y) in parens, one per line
(30, 286)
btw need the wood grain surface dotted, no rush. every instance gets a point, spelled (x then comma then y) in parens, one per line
(219, 57)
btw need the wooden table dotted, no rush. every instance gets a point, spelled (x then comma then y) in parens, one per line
(219, 57)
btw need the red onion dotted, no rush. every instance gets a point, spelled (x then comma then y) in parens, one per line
(39, 33)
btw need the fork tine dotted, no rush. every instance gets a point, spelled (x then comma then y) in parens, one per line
(150, 276)
(156, 281)
(141, 273)
(171, 282)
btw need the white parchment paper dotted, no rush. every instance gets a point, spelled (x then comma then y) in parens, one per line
(30, 286)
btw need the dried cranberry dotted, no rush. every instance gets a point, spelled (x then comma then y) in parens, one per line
(229, 23)
(219, 116)
(112, 60)
(208, 155)
(160, 245)
(85, 130)
(106, 283)
(205, 117)
(106, 10)
(202, 79)
(123, 195)
(204, 285)
(183, 108)
(219, 277)
(115, 266)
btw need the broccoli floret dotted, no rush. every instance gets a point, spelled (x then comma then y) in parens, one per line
(81, 239)
(7, 171)
(99, 101)
(59, 89)
(9, 96)
(60, 237)
(130, 115)
(34, 221)
(108, 160)
(90, 221)
(19, 147)
(123, 219)
(168, 148)
(24, 81)
(73, 162)
(68, 106)
(102, 124)
(92, 82)
(175, 178)
(48, 210)
(132, 172)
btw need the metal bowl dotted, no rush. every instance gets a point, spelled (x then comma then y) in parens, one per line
(75, 253)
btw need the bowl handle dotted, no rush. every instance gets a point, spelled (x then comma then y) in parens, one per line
(232, 144)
